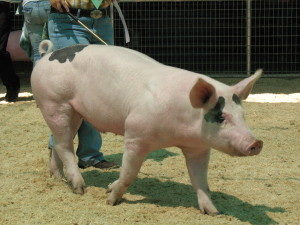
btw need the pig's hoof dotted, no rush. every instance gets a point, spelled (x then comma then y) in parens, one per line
(79, 190)
(211, 213)
(109, 189)
(112, 202)
(111, 186)
(57, 174)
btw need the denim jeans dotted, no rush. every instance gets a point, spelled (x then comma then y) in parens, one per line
(63, 32)
(35, 17)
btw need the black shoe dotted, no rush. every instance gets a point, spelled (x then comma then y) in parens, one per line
(100, 165)
(12, 94)
(106, 165)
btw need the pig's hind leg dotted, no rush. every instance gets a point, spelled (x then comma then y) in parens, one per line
(64, 123)
(197, 164)
(55, 165)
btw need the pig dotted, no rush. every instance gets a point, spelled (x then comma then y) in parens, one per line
(152, 105)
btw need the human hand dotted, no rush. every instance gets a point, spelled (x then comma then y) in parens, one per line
(60, 5)
(107, 3)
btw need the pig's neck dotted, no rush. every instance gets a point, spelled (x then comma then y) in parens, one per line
(183, 122)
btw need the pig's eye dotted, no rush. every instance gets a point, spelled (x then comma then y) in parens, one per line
(220, 119)
(215, 115)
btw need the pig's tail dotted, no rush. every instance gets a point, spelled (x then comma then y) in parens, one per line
(45, 47)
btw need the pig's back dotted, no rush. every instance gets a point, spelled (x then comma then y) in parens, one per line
(118, 58)
(90, 65)
(119, 70)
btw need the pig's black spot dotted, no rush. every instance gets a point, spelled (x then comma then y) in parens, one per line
(236, 99)
(66, 53)
(215, 114)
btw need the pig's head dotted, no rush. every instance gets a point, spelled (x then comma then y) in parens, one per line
(223, 124)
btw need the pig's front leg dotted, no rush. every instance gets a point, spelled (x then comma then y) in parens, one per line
(197, 163)
(132, 161)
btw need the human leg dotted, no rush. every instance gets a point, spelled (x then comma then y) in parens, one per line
(104, 28)
(7, 72)
(64, 32)
(35, 16)
(89, 143)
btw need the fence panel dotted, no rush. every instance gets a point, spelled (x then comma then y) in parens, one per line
(276, 36)
(221, 38)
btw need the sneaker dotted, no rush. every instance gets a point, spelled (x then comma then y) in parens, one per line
(106, 165)
(100, 165)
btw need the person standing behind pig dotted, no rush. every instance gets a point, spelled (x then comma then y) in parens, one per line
(64, 32)
(7, 73)
(35, 17)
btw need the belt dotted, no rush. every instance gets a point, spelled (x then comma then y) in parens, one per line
(93, 13)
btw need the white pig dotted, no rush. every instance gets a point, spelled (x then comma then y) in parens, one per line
(154, 106)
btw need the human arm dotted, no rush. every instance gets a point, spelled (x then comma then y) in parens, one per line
(107, 3)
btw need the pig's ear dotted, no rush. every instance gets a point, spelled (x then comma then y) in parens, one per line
(244, 87)
(201, 92)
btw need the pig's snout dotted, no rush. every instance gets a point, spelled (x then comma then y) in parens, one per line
(254, 148)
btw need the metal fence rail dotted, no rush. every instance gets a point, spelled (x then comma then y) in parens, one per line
(228, 38)
(17, 22)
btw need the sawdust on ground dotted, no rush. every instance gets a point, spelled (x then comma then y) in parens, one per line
(263, 189)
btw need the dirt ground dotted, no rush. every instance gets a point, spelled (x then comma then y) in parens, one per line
(263, 189)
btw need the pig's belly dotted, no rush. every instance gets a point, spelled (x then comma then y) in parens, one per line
(102, 117)
(103, 126)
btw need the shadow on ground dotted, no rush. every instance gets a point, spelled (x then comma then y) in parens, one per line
(158, 156)
(173, 194)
